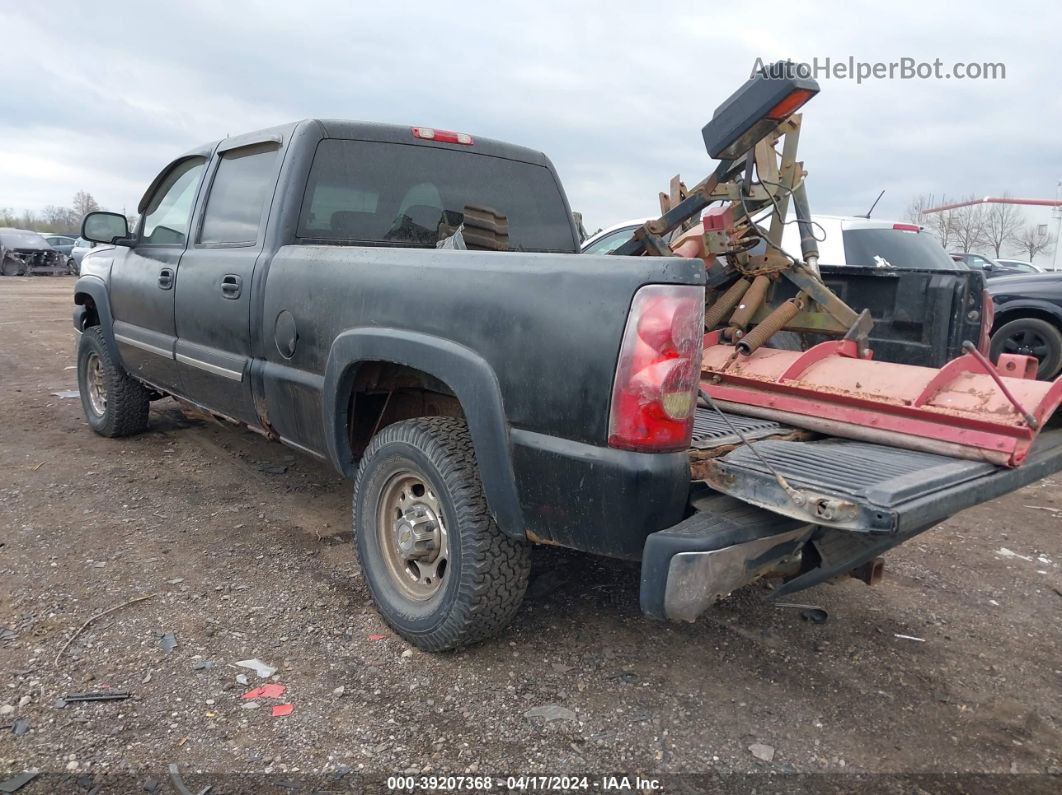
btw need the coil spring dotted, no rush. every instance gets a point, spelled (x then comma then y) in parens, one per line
(770, 325)
(718, 311)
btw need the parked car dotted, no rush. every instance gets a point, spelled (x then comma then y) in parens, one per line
(1028, 319)
(61, 243)
(1020, 265)
(992, 268)
(23, 252)
(80, 249)
(608, 240)
(64, 244)
(871, 243)
(291, 280)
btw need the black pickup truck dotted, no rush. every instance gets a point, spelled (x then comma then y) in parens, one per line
(482, 400)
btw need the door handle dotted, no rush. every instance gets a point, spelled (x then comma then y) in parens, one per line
(231, 285)
(166, 278)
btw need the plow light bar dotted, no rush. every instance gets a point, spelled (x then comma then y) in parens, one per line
(750, 113)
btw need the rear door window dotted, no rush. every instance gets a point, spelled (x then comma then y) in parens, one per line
(412, 195)
(241, 186)
(896, 248)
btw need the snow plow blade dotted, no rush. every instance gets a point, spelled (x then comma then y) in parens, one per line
(959, 410)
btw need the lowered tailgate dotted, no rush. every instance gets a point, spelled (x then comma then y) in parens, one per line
(858, 486)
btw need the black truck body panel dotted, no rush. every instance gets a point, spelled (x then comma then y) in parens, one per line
(533, 346)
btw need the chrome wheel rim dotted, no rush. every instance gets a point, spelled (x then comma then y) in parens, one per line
(96, 383)
(412, 536)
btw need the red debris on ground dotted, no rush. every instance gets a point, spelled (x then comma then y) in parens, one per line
(282, 709)
(266, 691)
(377, 637)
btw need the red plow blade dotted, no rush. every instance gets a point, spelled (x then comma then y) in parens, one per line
(959, 410)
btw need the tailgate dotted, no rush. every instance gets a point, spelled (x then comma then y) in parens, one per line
(858, 486)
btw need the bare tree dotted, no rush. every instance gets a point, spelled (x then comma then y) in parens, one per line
(60, 220)
(916, 210)
(52, 218)
(941, 224)
(83, 205)
(1003, 224)
(1035, 239)
(970, 226)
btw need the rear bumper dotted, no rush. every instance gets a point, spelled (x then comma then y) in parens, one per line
(724, 545)
(728, 542)
(597, 499)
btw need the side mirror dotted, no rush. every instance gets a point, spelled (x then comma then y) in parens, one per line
(104, 227)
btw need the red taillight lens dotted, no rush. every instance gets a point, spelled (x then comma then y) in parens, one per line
(907, 227)
(988, 317)
(655, 392)
(444, 136)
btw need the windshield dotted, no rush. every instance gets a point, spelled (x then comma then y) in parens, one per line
(17, 238)
(408, 195)
(896, 248)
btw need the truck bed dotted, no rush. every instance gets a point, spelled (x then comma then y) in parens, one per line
(920, 316)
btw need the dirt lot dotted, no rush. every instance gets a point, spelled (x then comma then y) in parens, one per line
(246, 549)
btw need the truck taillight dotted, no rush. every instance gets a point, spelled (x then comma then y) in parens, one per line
(988, 317)
(655, 392)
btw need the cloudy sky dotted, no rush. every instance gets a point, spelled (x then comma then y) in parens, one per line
(98, 96)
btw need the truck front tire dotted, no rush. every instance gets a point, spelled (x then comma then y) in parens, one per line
(114, 404)
(439, 569)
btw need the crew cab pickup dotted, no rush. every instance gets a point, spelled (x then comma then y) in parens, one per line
(309, 281)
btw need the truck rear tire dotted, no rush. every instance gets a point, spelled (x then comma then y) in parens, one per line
(439, 569)
(114, 404)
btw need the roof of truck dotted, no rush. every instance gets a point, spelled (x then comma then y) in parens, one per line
(384, 133)
(354, 130)
(403, 134)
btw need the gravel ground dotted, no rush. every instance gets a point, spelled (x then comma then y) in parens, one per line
(245, 550)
